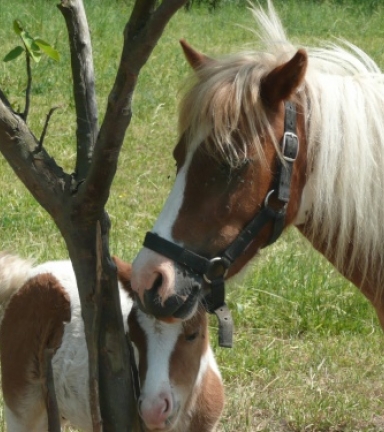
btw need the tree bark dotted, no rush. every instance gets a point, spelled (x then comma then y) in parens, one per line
(76, 201)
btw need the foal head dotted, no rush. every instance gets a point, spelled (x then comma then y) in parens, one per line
(181, 387)
(228, 156)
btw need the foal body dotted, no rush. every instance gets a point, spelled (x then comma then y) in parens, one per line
(181, 388)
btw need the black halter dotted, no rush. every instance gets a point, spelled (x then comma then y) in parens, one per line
(214, 270)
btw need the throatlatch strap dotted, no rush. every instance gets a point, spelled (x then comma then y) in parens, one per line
(249, 233)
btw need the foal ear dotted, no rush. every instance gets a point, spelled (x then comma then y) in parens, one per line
(282, 81)
(124, 272)
(194, 58)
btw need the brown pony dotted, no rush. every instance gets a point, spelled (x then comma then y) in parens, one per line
(276, 137)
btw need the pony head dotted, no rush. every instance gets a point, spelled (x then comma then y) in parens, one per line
(231, 124)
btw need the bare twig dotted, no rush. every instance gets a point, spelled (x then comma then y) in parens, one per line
(83, 83)
(45, 128)
(24, 115)
(51, 401)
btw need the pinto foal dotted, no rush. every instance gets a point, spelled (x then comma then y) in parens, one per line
(181, 387)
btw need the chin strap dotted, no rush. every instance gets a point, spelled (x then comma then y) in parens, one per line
(214, 303)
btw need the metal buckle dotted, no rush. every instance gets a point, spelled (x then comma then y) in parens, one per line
(286, 137)
(212, 263)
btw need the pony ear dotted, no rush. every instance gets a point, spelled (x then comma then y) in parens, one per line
(282, 81)
(124, 272)
(194, 58)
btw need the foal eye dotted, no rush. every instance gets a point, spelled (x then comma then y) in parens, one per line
(191, 337)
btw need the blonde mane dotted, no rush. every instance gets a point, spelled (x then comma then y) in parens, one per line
(343, 100)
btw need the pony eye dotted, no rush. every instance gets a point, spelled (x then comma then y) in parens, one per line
(191, 337)
(225, 168)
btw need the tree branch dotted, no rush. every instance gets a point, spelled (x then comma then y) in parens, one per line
(83, 83)
(140, 14)
(137, 48)
(45, 128)
(158, 21)
(36, 169)
(24, 115)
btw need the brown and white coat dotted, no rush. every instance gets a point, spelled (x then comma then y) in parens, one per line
(181, 387)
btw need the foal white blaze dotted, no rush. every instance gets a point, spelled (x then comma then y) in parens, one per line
(157, 403)
(40, 309)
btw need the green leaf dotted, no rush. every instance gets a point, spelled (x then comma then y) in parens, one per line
(36, 55)
(47, 49)
(17, 27)
(14, 53)
(30, 45)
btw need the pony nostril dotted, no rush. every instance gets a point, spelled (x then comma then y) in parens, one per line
(158, 282)
(161, 299)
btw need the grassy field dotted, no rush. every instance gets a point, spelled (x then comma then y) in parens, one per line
(308, 353)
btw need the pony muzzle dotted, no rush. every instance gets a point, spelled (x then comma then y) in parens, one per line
(180, 305)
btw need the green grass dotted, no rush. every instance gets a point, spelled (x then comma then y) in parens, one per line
(307, 351)
(308, 348)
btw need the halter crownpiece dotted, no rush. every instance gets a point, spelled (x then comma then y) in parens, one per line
(214, 270)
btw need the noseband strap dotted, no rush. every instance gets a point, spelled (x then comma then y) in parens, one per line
(214, 270)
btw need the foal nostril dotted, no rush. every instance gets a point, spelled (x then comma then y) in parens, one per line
(167, 406)
(156, 410)
(139, 403)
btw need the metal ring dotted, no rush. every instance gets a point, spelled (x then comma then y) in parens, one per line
(211, 263)
(266, 201)
(267, 197)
